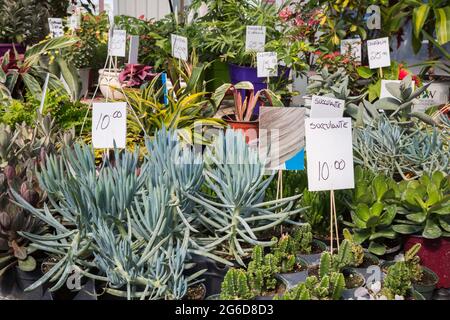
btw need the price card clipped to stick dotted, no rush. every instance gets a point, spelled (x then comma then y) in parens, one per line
(379, 54)
(267, 64)
(109, 125)
(118, 43)
(255, 39)
(179, 47)
(329, 152)
(56, 27)
(327, 107)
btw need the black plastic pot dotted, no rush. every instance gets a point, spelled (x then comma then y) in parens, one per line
(14, 282)
(313, 259)
(213, 276)
(292, 279)
(87, 292)
(350, 292)
(427, 290)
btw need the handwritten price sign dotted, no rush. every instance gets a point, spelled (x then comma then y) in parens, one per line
(109, 125)
(379, 54)
(267, 64)
(56, 27)
(179, 47)
(118, 43)
(329, 152)
(255, 39)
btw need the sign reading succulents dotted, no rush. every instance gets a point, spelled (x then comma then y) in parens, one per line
(255, 39)
(352, 47)
(327, 107)
(267, 64)
(109, 125)
(56, 27)
(179, 47)
(379, 54)
(118, 43)
(282, 137)
(329, 151)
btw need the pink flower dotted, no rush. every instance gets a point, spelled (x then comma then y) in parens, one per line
(299, 21)
(285, 14)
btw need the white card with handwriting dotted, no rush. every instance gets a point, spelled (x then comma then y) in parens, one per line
(255, 39)
(109, 125)
(118, 44)
(179, 47)
(56, 27)
(327, 107)
(329, 153)
(267, 64)
(379, 53)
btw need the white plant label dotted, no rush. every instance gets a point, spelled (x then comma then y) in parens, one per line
(329, 152)
(109, 125)
(134, 50)
(255, 39)
(379, 54)
(374, 20)
(118, 44)
(179, 47)
(56, 27)
(327, 107)
(267, 64)
(352, 47)
(436, 94)
(74, 21)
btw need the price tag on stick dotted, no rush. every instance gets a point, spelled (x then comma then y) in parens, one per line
(255, 39)
(329, 152)
(133, 55)
(327, 107)
(379, 54)
(267, 64)
(118, 43)
(56, 27)
(109, 125)
(179, 47)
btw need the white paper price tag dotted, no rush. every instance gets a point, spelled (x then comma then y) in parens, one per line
(327, 107)
(118, 44)
(379, 54)
(179, 47)
(74, 21)
(109, 125)
(329, 152)
(56, 27)
(255, 39)
(267, 64)
(352, 47)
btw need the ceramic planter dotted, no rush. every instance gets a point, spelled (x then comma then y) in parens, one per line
(435, 255)
(314, 258)
(110, 84)
(250, 129)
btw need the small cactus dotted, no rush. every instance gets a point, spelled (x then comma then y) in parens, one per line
(284, 253)
(413, 262)
(261, 271)
(303, 239)
(356, 249)
(343, 258)
(397, 281)
(235, 286)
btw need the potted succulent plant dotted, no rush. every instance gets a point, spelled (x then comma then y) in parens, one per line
(424, 218)
(245, 100)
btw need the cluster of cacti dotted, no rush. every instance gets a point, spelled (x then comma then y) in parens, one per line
(344, 257)
(303, 239)
(261, 271)
(397, 281)
(413, 262)
(235, 286)
(284, 252)
(356, 249)
(328, 286)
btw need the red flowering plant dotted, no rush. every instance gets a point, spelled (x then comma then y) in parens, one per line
(403, 72)
(334, 61)
(135, 75)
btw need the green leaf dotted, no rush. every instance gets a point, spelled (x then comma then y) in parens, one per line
(388, 216)
(32, 85)
(432, 230)
(373, 221)
(417, 217)
(357, 221)
(365, 72)
(27, 265)
(380, 186)
(407, 228)
(359, 236)
(376, 209)
(377, 248)
(445, 223)
(389, 104)
(388, 233)
(420, 15)
(362, 212)
(442, 24)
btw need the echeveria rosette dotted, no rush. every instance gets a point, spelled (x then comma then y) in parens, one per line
(425, 206)
(135, 75)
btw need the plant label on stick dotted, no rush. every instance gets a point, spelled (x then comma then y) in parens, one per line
(352, 47)
(118, 43)
(56, 27)
(255, 39)
(179, 47)
(134, 50)
(327, 107)
(379, 54)
(109, 125)
(374, 20)
(74, 22)
(267, 64)
(329, 153)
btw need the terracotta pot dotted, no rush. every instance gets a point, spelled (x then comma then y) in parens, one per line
(250, 129)
(435, 255)
(110, 84)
